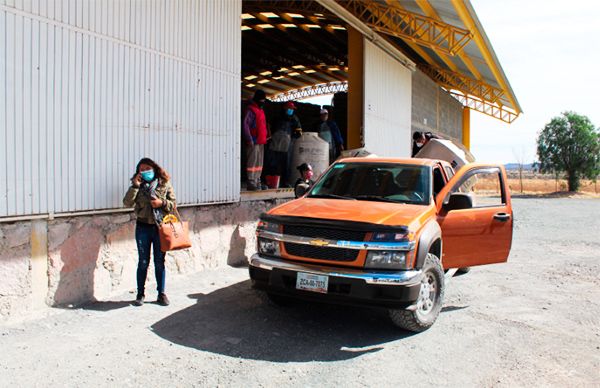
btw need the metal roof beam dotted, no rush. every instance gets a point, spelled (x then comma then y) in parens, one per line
(499, 112)
(420, 29)
(453, 80)
(464, 13)
(311, 91)
(285, 6)
(431, 12)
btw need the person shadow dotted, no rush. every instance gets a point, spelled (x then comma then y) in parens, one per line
(107, 305)
(236, 321)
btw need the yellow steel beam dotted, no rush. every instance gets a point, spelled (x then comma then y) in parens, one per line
(497, 111)
(420, 29)
(416, 48)
(431, 12)
(422, 52)
(466, 127)
(466, 17)
(452, 80)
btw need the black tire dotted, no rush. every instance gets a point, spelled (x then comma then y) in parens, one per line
(427, 311)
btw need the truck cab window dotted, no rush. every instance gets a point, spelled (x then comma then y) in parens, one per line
(438, 181)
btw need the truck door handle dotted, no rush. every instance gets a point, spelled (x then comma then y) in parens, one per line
(502, 217)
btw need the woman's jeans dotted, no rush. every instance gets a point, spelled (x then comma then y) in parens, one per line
(146, 235)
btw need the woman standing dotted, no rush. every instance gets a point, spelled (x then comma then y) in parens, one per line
(152, 197)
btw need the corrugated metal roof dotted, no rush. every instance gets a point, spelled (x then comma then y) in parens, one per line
(489, 71)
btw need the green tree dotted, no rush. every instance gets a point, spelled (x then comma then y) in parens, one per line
(570, 144)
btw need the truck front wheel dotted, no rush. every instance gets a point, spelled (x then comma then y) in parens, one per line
(428, 306)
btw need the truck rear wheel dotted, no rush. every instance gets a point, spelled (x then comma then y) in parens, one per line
(430, 301)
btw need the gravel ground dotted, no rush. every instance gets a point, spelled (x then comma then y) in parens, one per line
(534, 321)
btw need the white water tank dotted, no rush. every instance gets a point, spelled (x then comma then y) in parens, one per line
(309, 148)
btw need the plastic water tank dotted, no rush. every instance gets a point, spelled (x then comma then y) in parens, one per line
(309, 148)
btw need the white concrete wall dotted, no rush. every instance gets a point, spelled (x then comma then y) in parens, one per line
(387, 104)
(87, 88)
(73, 260)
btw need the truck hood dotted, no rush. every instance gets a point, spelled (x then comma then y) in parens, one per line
(382, 213)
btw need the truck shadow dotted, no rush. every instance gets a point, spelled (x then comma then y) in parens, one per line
(236, 322)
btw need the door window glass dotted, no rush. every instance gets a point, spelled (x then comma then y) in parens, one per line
(438, 181)
(484, 187)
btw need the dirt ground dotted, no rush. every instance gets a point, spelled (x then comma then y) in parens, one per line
(534, 321)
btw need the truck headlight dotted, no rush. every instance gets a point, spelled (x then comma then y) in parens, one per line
(268, 227)
(386, 260)
(268, 247)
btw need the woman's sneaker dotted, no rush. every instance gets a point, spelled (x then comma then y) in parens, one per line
(139, 300)
(162, 299)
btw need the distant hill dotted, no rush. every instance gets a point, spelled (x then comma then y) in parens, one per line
(515, 166)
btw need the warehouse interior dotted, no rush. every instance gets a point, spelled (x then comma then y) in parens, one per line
(294, 49)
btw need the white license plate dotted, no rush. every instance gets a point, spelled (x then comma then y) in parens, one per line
(310, 282)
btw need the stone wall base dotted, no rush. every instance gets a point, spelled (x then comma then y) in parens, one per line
(70, 261)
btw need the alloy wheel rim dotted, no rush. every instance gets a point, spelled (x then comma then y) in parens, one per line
(427, 294)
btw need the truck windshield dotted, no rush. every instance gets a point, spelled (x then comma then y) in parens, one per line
(375, 182)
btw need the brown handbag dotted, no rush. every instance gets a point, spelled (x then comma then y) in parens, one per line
(174, 235)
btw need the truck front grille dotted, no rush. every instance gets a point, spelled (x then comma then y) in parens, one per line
(324, 233)
(321, 253)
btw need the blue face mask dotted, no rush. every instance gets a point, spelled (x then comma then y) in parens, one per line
(289, 112)
(148, 175)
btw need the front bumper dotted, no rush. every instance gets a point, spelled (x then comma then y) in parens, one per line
(346, 285)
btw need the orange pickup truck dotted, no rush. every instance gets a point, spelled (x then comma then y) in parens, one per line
(384, 232)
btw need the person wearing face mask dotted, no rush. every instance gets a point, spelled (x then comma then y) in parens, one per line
(152, 197)
(419, 141)
(255, 135)
(305, 182)
(286, 129)
(329, 131)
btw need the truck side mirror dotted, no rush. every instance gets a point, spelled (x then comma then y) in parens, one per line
(458, 201)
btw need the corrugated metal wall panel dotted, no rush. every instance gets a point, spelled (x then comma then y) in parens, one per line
(88, 88)
(387, 99)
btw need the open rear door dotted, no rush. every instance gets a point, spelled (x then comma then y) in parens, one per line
(475, 214)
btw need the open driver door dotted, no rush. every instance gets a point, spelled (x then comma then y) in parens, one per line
(475, 214)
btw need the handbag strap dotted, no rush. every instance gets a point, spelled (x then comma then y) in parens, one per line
(178, 215)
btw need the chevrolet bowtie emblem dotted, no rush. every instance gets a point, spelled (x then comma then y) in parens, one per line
(318, 243)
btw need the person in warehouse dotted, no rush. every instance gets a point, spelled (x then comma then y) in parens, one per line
(330, 132)
(255, 136)
(287, 128)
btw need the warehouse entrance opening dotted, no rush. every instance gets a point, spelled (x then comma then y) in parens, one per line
(292, 52)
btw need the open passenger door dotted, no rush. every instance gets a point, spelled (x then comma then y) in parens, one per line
(475, 214)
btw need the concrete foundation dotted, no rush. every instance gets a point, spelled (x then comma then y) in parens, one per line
(74, 260)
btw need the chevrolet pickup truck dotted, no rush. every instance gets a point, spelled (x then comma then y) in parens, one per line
(384, 232)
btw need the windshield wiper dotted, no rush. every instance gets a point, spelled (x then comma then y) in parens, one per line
(376, 198)
(329, 196)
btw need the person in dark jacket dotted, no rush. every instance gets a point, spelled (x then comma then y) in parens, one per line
(305, 182)
(419, 141)
(287, 128)
(330, 132)
(152, 197)
(255, 134)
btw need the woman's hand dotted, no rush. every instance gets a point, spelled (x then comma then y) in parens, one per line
(156, 203)
(137, 180)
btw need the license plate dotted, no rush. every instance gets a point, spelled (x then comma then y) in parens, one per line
(310, 282)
